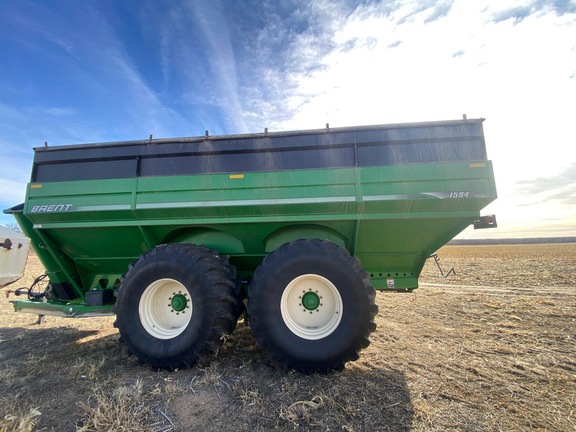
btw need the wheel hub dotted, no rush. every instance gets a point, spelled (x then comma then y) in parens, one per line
(311, 300)
(179, 302)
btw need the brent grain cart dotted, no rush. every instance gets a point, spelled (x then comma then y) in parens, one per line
(177, 236)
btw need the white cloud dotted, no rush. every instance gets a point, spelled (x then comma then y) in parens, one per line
(220, 56)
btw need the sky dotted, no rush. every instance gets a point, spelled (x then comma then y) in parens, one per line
(107, 70)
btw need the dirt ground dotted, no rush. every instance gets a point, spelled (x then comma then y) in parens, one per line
(490, 348)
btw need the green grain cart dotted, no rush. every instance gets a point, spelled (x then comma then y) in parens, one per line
(180, 237)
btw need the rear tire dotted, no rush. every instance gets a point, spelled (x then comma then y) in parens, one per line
(175, 304)
(311, 306)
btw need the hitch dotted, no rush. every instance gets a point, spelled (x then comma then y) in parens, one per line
(34, 296)
(29, 291)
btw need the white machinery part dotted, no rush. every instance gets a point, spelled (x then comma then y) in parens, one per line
(14, 249)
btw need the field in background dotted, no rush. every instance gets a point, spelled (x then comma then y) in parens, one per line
(492, 347)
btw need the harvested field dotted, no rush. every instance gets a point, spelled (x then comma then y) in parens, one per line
(490, 348)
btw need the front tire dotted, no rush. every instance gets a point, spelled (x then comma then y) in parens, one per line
(175, 304)
(311, 306)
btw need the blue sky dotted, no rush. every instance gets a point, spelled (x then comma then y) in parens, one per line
(104, 70)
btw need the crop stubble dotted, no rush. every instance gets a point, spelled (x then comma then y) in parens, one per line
(492, 347)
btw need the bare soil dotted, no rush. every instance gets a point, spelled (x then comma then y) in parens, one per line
(490, 348)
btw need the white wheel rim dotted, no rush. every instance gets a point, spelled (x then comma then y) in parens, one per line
(165, 308)
(311, 307)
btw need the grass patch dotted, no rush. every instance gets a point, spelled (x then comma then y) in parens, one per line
(17, 416)
(122, 409)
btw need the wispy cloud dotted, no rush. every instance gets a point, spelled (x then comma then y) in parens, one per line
(318, 55)
(535, 7)
(347, 54)
(430, 10)
(220, 56)
(95, 62)
(560, 188)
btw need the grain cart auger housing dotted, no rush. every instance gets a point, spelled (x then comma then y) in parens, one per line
(175, 236)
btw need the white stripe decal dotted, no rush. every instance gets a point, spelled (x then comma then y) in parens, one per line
(424, 195)
(236, 203)
(386, 197)
(279, 201)
(101, 207)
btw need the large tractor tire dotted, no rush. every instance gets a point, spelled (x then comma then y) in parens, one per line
(175, 304)
(311, 306)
